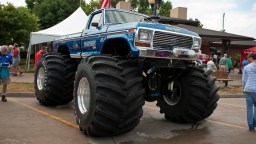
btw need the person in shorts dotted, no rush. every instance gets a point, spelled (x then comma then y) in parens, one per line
(223, 63)
(16, 60)
(5, 66)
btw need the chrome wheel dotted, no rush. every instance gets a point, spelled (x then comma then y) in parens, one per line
(83, 95)
(174, 93)
(40, 78)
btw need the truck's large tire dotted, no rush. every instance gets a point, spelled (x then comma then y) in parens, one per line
(54, 79)
(194, 97)
(108, 95)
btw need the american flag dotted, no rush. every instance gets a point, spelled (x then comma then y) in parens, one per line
(105, 4)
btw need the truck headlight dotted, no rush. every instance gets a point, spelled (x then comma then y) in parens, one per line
(197, 43)
(145, 35)
(144, 38)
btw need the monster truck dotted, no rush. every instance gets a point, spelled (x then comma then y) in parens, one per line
(120, 60)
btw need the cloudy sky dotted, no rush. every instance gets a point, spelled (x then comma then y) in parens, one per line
(240, 15)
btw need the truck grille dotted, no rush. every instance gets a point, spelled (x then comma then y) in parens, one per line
(164, 40)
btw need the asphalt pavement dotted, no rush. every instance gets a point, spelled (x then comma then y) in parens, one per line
(24, 120)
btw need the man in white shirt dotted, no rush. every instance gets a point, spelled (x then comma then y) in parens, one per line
(211, 65)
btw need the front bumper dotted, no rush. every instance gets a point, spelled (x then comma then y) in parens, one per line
(176, 53)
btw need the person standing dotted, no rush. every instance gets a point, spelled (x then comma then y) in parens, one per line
(206, 59)
(11, 49)
(223, 63)
(16, 60)
(215, 58)
(249, 89)
(6, 65)
(11, 53)
(211, 65)
(229, 61)
(39, 54)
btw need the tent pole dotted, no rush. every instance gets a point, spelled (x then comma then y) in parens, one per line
(27, 68)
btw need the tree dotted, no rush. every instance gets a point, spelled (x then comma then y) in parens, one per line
(89, 8)
(16, 24)
(114, 2)
(165, 9)
(199, 24)
(141, 6)
(51, 12)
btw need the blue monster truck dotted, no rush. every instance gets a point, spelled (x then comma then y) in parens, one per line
(119, 61)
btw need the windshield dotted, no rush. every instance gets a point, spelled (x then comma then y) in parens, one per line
(119, 17)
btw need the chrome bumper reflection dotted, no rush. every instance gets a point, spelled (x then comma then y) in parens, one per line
(176, 53)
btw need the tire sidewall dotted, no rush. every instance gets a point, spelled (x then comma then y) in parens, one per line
(85, 119)
(41, 64)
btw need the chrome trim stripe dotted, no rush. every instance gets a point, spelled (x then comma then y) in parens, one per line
(93, 35)
(116, 32)
(65, 39)
(75, 55)
(162, 55)
(79, 38)
(85, 55)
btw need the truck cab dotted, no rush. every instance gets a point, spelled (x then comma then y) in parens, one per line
(119, 32)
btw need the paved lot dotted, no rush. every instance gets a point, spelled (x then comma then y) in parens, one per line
(25, 121)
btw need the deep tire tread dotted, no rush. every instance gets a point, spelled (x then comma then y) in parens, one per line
(59, 74)
(118, 107)
(199, 99)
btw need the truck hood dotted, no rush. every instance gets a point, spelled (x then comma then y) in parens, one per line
(155, 26)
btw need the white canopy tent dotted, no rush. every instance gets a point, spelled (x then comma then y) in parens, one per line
(75, 23)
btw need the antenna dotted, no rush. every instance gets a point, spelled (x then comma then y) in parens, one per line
(223, 30)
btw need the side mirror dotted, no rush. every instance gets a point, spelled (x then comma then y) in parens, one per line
(95, 24)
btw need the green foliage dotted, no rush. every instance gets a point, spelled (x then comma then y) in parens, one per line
(142, 6)
(23, 54)
(16, 24)
(236, 57)
(199, 24)
(134, 4)
(165, 9)
(114, 2)
(52, 12)
(32, 3)
(89, 8)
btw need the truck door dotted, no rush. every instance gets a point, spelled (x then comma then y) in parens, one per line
(94, 35)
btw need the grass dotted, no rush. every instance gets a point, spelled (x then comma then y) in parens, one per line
(31, 68)
(20, 87)
(29, 87)
(231, 90)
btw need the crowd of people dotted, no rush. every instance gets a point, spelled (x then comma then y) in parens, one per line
(224, 63)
